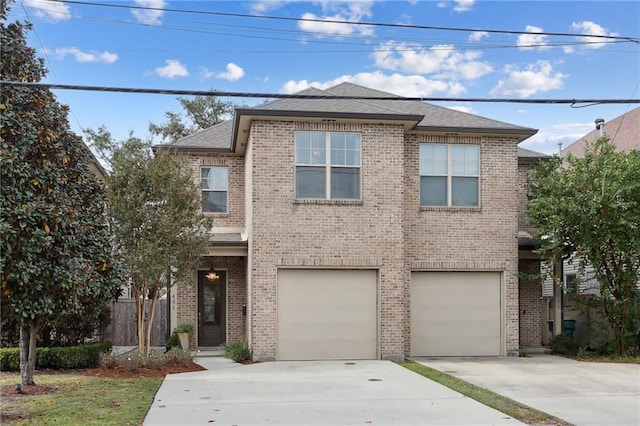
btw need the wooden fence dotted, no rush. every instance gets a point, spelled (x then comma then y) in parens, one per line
(123, 331)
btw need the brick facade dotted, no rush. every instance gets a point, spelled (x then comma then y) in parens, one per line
(386, 230)
(531, 303)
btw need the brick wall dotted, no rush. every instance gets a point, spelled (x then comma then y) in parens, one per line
(235, 216)
(483, 238)
(523, 184)
(387, 230)
(365, 233)
(531, 303)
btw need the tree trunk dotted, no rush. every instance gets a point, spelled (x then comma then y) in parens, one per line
(152, 311)
(140, 322)
(28, 337)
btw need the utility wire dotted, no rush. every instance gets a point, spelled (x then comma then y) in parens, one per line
(336, 21)
(217, 93)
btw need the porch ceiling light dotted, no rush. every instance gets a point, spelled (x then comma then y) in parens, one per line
(212, 274)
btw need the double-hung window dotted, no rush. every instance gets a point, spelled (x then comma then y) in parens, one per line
(449, 175)
(327, 165)
(214, 184)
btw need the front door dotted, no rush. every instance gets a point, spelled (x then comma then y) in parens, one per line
(212, 309)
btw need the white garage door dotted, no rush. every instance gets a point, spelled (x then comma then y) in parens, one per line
(327, 314)
(455, 313)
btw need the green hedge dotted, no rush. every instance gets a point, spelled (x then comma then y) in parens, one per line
(82, 356)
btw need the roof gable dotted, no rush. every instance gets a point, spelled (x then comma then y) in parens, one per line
(623, 131)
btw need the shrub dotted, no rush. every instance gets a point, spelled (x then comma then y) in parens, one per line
(173, 342)
(179, 357)
(237, 351)
(132, 361)
(185, 328)
(82, 356)
(563, 345)
(9, 359)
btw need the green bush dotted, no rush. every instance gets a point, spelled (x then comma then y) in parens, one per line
(9, 359)
(82, 356)
(237, 351)
(134, 360)
(563, 345)
(173, 341)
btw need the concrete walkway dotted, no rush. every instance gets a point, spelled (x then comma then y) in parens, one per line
(312, 393)
(582, 393)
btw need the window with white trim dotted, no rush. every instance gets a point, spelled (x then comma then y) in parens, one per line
(214, 183)
(327, 165)
(449, 175)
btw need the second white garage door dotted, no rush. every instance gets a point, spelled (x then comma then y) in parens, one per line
(327, 314)
(455, 314)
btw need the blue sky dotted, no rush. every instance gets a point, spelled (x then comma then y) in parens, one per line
(119, 46)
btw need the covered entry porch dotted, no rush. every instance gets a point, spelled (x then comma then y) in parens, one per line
(215, 297)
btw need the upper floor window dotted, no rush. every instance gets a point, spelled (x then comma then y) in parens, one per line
(327, 165)
(214, 184)
(449, 175)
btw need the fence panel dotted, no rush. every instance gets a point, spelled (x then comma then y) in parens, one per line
(123, 331)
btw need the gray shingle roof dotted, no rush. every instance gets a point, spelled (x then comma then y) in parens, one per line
(218, 136)
(527, 154)
(622, 130)
(434, 117)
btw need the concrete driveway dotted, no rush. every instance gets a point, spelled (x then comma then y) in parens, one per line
(313, 393)
(582, 393)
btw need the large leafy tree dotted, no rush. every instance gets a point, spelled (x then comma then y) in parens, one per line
(56, 250)
(200, 112)
(154, 208)
(590, 207)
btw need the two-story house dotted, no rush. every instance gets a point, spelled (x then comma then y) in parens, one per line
(358, 229)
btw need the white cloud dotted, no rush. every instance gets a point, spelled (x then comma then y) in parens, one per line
(353, 11)
(146, 16)
(264, 6)
(463, 5)
(591, 28)
(538, 77)
(442, 5)
(89, 56)
(172, 69)
(55, 11)
(442, 60)
(233, 72)
(205, 73)
(478, 35)
(548, 138)
(403, 85)
(532, 41)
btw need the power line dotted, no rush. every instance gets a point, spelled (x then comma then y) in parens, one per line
(336, 21)
(217, 93)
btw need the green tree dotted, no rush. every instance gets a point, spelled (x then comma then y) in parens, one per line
(154, 205)
(56, 250)
(590, 207)
(201, 112)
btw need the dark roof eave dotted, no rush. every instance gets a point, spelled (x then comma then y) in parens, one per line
(534, 159)
(250, 112)
(328, 114)
(528, 244)
(519, 132)
(186, 149)
(228, 244)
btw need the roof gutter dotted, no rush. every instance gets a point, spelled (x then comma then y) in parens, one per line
(520, 133)
(243, 114)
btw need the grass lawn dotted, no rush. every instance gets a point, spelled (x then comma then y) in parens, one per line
(81, 400)
(503, 404)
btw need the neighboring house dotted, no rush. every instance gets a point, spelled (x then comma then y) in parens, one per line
(361, 229)
(623, 132)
